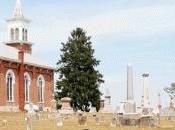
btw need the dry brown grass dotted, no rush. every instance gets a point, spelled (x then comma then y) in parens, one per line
(16, 122)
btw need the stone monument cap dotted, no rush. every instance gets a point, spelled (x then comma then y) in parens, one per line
(145, 75)
(66, 99)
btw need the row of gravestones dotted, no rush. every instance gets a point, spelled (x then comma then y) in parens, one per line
(41, 116)
(117, 121)
(82, 118)
(32, 111)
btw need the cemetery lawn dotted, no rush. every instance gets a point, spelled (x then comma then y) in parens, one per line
(16, 121)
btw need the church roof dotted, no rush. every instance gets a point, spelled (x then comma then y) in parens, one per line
(11, 54)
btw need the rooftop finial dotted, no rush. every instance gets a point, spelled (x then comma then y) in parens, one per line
(18, 9)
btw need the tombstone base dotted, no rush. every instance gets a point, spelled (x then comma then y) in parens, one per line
(66, 107)
(130, 107)
(66, 111)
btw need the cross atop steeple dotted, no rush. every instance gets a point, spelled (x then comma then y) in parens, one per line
(18, 9)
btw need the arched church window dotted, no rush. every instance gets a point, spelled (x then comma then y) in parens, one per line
(10, 81)
(27, 82)
(17, 34)
(12, 34)
(23, 34)
(41, 86)
(26, 35)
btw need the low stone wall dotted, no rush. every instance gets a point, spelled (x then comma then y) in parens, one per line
(16, 109)
(9, 108)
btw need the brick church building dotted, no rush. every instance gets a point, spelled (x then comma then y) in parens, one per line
(23, 79)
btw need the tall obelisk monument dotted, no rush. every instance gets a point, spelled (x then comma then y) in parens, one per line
(130, 106)
(130, 96)
(146, 90)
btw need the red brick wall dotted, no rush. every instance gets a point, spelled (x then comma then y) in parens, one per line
(34, 72)
(2, 81)
(5, 66)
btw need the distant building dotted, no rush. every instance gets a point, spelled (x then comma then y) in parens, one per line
(23, 79)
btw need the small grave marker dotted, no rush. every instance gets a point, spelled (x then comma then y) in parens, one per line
(28, 120)
(31, 110)
(97, 120)
(114, 122)
(82, 118)
(4, 122)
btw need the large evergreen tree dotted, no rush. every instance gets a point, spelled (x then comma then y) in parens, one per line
(78, 77)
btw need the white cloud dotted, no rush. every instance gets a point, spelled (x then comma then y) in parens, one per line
(139, 21)
(129, 22)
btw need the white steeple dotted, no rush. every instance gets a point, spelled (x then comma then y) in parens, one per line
(18, 26)
(18, 29)
(18, 9)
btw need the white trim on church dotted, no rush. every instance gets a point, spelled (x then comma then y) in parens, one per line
(10, 84)
(27, 85)
(41, 86)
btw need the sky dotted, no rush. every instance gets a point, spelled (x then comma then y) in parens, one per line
(139, 32)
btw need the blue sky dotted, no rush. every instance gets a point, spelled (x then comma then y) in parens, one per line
(140, 32)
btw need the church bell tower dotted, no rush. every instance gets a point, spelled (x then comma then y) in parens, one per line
(17, 29)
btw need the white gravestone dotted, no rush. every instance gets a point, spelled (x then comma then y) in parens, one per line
(97, 120)
(114, 122)
(53, 110)
(31, 110)
(28, 120)
(59, 121)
